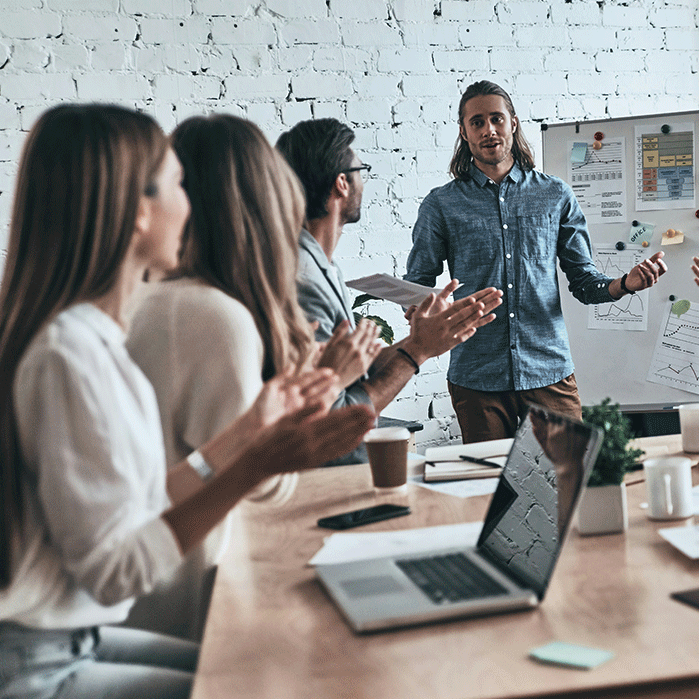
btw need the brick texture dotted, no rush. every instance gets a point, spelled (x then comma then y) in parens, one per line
(393, 69)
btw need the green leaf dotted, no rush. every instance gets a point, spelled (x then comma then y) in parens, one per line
(386, 333)
(615, 457)
(362, 299)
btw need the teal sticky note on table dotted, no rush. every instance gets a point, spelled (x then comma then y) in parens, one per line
(571, 655)
(579, 153)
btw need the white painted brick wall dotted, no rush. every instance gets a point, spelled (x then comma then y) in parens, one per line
(392, 69)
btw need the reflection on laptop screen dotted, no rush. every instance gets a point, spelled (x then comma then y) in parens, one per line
(531, 508)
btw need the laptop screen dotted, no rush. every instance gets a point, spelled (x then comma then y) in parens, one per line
(550, 461)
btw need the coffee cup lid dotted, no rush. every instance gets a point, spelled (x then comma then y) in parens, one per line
(387, 434)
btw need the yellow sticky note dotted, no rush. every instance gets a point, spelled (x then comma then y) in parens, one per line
(672, 237)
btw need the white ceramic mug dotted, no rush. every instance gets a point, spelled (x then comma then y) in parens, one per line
(689, 426)
(669, 487)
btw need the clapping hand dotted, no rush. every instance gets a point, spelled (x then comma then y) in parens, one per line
(350, 353)
(437, 325)
(289, 392)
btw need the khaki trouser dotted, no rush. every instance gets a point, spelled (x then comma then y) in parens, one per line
(483, 415)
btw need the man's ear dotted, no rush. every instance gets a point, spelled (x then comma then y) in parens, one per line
(461, 132)
(515, 123)
(342, 185)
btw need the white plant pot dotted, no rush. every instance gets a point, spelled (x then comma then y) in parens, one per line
(603, 510)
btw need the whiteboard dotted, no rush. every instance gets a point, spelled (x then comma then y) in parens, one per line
(617, 186)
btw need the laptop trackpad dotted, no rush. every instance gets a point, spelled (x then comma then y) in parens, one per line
(371, 586)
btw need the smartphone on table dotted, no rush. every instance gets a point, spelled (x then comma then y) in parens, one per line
(347, 520)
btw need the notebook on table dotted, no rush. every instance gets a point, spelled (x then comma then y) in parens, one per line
(463, 461)
(512, 563)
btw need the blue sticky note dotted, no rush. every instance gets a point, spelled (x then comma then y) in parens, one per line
(571, 655)
(579, 153)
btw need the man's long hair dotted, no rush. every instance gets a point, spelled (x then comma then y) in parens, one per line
(461, 160)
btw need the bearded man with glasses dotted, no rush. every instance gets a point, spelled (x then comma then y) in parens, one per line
(320, 153)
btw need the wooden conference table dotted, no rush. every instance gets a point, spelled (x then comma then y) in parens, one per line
(273, 633)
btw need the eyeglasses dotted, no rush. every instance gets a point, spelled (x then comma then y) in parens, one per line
(358, 168)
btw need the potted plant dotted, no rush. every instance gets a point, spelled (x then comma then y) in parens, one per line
(603, 508)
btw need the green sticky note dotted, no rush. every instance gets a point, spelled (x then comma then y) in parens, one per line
(579, 153)
(571, 655)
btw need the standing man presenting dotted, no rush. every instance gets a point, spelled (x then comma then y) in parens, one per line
(320, 153)
(501, 223)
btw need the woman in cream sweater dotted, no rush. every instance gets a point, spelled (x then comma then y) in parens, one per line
(211, 335)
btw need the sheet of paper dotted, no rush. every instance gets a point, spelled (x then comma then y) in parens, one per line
(390, 288)
(630, 312)
(598, 181)
(461, 489)
(675, 361)
(358, 546)
(665, 166)
(686, 539)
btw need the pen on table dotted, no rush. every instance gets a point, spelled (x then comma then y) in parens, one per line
(482, 462)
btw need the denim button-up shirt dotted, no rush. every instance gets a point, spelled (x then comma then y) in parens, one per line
(509, 236)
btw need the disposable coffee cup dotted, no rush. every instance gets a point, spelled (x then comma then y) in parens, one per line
(387, 448)
(689, 426)
(669, 487)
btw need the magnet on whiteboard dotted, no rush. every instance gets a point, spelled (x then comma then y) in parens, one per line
(620, 245)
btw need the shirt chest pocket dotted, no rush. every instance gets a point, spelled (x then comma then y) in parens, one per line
(537, 236)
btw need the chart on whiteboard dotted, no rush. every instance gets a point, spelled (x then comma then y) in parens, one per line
(630, 312)
(665, 166)
(675, 361)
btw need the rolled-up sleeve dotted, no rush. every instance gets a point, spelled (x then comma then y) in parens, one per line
(102, 514)
(587, 284)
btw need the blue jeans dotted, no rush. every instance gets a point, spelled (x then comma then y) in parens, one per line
(90, 663)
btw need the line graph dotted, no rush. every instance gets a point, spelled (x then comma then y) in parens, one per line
(629, 312)
(600, 165)
(675, 361)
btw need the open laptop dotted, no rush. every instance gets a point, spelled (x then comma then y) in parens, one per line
(519, 544)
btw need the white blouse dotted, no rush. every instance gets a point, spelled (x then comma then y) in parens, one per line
(91, 437)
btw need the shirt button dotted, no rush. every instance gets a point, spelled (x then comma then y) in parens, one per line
(512, 315)
(512, 346)
(508, 256)
(502, 198)
(509, 286)
(505, 226)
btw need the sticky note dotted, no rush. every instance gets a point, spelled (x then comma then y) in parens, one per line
(641, 233)
(579, 153)
(672, 237)
(571, 655)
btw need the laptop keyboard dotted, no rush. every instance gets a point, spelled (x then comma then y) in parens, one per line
(450, 578)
